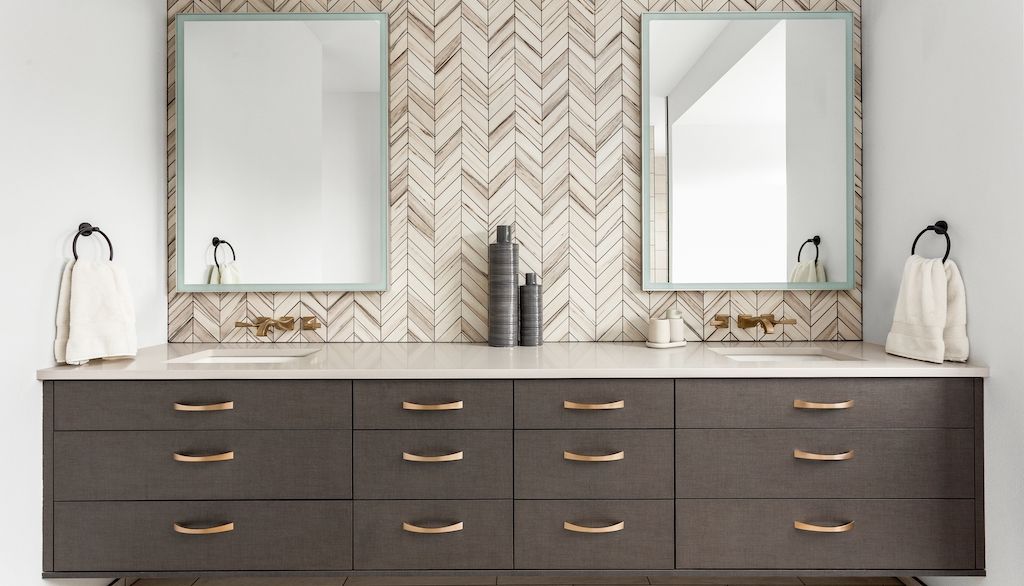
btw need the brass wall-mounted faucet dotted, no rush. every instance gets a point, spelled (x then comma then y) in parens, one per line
(264, 325)
(767, 322)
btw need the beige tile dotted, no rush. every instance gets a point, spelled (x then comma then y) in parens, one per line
(726, 581)
(576, 580)
(852, 581)
(421, 581)
(270, 582)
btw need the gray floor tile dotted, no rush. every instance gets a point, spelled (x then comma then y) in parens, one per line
(270, 582)
(421, 581)
(726, 581)
(162, 581)
(862, 581)
(576, 580)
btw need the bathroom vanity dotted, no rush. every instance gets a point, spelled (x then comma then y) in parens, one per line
(569, 458)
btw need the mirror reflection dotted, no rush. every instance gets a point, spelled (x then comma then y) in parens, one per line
(749, 151)
(282, 176)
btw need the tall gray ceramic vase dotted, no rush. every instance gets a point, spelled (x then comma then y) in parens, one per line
(503, 290)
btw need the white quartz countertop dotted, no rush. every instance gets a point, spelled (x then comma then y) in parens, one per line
(552, 360)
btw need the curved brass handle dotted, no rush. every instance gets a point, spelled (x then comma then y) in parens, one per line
(593, 406)
(606, 529)
(225, 406)
(453, 457)
(823, 528)
(432, 530)
(798, 404)
(438, 407)
(226, 527)
(802, 455)
(602, 458)
(223, 457)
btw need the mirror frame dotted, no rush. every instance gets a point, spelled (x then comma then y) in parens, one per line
(648, 284)
(179, 71)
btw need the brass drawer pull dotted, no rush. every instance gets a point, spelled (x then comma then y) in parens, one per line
(593, 406)
(432, 530)
(823, 528)
(602, 458)
(438, 407)
(454, 457)
(798, 404)
(226, 527)
(225, 406)
(802, 455)
(223, 457)
(606, 529)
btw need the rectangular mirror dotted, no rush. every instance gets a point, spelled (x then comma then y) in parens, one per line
(748, 151)
(282, 136)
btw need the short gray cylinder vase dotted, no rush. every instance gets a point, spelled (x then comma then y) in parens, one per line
(503, 290)
(531, 315)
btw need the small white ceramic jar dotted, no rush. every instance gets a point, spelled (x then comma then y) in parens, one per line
(659, 331)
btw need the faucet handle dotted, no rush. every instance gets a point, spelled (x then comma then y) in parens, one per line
(720, 321)
(779, 322)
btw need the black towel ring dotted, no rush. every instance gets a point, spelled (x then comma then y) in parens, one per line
(86, 229)
(815, 241)
(217, 242)
(940, 227)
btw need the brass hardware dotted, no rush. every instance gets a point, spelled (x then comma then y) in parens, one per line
(435, 407)
(606, 529)
(311, 323)
(823, 528)
(802, 455)
(720, 321)
(767, 322)
(593, 406)
(224, 528)
(223, 457)
(225, 406)
(798, 404)
(263, 325)
(603, 458)
(432, 530)
(454, 457)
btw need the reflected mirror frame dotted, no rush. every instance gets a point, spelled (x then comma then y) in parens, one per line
(648, 283)
(179, 164)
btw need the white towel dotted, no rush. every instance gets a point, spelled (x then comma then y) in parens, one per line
(954, 335)
(920, 317)
(227, 274)
(95, 313)
(808, 271)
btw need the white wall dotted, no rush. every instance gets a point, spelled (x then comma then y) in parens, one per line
(81, 138)
(944, 139)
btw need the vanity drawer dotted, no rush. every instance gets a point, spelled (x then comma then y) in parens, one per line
(876, 402)
(254, 404)
(433, 404)
(760, 463)
(643, 469)
(593, 403)
(644, 541)
(135, 465)
(886, 534)
(475, 535)
(141, 537)
(384, 470)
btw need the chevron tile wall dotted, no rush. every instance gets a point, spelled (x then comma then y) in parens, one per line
(510, 111)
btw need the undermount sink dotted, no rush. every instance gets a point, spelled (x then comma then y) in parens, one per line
(244, 356)
(782, 355)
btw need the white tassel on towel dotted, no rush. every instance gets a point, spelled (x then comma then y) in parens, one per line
(95, 313)
(931, 308)
(808, 271)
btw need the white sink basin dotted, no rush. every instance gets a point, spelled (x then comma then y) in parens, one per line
(782, 355)
(244, 356)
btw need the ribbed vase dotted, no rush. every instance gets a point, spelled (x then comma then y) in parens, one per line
(531, 315)
(503, 290)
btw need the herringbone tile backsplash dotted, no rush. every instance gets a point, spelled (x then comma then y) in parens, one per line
(523, 112)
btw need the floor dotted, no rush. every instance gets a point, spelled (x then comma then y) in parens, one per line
(519, 581)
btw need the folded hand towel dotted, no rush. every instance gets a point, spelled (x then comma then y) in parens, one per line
(102, 313)
(920, 317)
(60, 343)
(808, 271)
(954, 335)
(213, 275)
(229, 273)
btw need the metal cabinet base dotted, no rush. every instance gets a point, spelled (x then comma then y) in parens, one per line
(710, 477)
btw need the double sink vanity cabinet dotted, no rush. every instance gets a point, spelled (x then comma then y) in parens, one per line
(225, 472)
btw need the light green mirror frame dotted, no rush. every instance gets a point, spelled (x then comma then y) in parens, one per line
(277, 227)
(845, 279)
